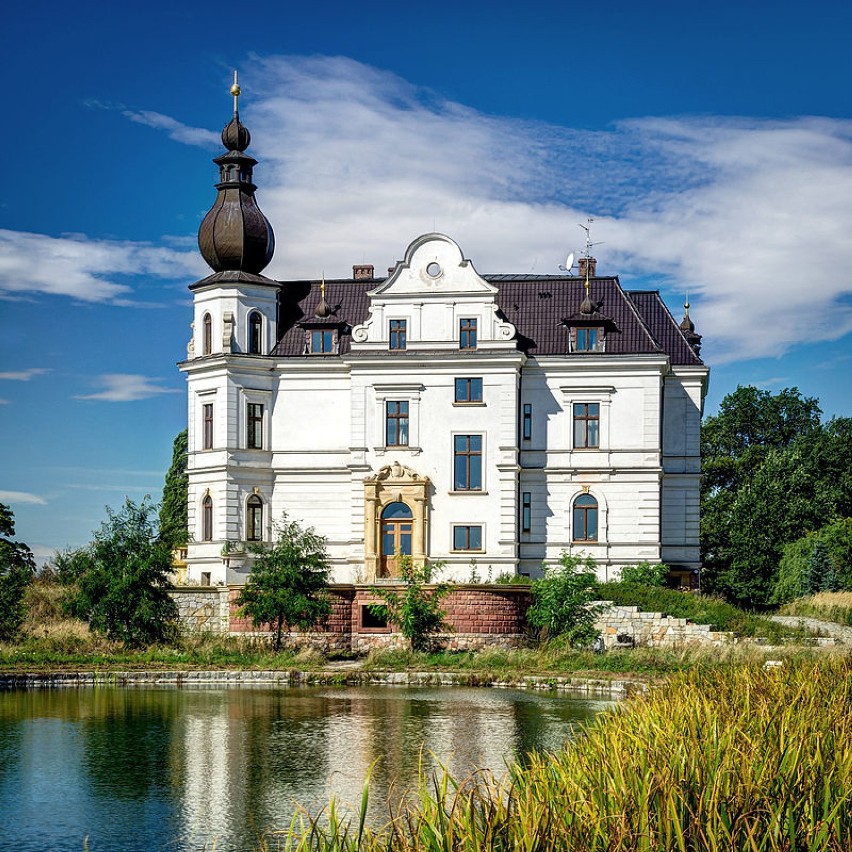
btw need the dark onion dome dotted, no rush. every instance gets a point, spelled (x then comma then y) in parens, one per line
(235, 135)
(235, 235)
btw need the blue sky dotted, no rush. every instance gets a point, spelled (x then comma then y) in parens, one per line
(712, 143)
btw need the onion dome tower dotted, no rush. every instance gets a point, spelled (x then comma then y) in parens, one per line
(235, 236)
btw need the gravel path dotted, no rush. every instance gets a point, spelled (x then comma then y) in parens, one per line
(827, 628)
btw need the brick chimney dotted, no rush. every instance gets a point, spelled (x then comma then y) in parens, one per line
(584, 262)
(362, 271)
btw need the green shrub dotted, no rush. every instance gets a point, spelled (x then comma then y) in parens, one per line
(562, 600)
(508, 579)
(645, 574)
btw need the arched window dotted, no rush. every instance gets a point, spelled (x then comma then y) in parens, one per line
(255, 328)
(585, 518)
(254, 518)
(207, 519)
(207, 347)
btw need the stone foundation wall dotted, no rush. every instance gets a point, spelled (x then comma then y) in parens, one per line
(480, 616)
(626, 626)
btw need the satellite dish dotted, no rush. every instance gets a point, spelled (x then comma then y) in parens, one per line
(569, 262)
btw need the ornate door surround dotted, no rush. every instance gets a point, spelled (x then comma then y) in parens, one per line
(394, 483)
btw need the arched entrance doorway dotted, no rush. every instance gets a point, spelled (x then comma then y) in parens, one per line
(397, 526)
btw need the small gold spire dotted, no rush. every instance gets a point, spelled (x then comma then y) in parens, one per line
(236, 91)
(686, 305)
(322, 286)
(588, 285)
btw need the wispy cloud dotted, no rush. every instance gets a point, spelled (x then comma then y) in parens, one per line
(24, 375)
(22, 497)
(126, 387)
(176, 130)
(4, 401)
(86, 269)
(121, 489)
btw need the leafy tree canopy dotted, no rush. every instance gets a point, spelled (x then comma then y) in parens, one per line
(288, 583)
(121, 579)
(174, 521)
(416, 610)
(17, 567)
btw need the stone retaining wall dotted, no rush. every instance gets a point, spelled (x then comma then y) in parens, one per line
(480, 616)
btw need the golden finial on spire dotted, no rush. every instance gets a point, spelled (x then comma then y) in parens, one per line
(236, 91)
(686, 305)
(322, 286)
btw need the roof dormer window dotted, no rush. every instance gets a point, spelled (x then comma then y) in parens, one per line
(587, 339)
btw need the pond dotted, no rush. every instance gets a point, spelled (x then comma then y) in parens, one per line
(177, 768)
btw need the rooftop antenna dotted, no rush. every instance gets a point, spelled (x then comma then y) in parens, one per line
(587, 251)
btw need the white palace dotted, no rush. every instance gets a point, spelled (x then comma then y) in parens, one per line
(486, 421)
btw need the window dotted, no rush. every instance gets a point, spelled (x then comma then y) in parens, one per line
(467, 334)
(254, 518)
(207, 339)
(586, 425)
(205, 578)
(468, 390)
(372, 621)
(467, 467)
(207, 519)
(398, 331)
(588, 340)
(585, 518)
(207, 440)
(467, 538)
(526, 511)
(322, 342)
(254, 424)
(396, 424)
(255, 329)
(526, 423)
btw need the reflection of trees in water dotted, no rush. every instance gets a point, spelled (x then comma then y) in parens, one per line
(128, 737)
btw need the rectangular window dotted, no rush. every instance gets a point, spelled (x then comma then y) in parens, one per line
(254, 420)
(322, 341)
(467, 538)
(398, 333)
(396, 424)
(526, 511)
(467, 463)
(468, 390)
(526, 423)
(588, 340)
(207, 439)
(586, 425)
(467, 334)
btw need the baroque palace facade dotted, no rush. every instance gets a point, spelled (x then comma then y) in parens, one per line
(489, 422)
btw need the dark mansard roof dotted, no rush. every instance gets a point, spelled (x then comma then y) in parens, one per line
(541, 307)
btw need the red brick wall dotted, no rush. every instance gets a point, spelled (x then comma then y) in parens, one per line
(477, 614)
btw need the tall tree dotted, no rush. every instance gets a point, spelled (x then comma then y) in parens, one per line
(735, 443)
(174, 523)
(288, 582)
(17, 567)
(121, 579)
(796, 490)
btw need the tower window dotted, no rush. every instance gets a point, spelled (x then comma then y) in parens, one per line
(467, 334)
(526, 422)
(207, 335)
(588, 340)
(587, 432)
(207, 417)
(467, 463)
(207, 519)
(526, 511)
(255, 331)
(396, 424)
(254, 518)
(585, 520)
(254, 424)
(398, 333)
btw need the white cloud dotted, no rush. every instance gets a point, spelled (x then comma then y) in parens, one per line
(4, 401)
(127, 387)
(24, 375)
(176, 130)
(22, 497)
(83, 268)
